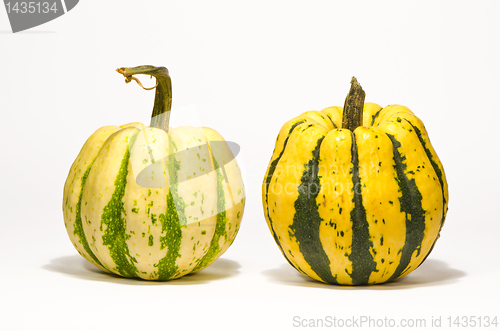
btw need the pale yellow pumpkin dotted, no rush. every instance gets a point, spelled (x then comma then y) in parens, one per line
(150, 202)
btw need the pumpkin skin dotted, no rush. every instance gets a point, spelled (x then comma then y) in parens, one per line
(185, 213)
(355, 207)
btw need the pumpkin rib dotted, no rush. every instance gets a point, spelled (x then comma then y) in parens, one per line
(221, 220)
(329, 115)
(267, 181)
(173, 220)
(370, 112)
(389, 111)
(280, 148)
(171, 240)
(419, 170)
(379, 191)
(433, 159)
(154, 209)
(115, 231)
(306, 221)
(281, 199)
(93, 206)
(438, 169)
(78, 229)
(411, 205)
(231, 189)
(375, 116)
(362, 260)
(319, 118)
(334, 114)
(335, 202)
(73, 192)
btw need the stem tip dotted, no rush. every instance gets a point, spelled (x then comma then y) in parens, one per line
(352, 116)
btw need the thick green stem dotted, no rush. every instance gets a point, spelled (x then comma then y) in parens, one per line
(352, 117)
(163, 95)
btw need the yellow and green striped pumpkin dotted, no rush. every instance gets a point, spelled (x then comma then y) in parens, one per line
(151, 202)
(355, 206)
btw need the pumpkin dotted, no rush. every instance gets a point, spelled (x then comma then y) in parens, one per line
(154, 202)
(355, 195)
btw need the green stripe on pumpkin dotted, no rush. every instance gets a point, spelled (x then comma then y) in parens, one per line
(374, 116)
(274, 163)
(306, 221)
(115, 235)
(434, 164)
(172, 220)
(363, 263)
(439, 175)
(77, 226)
(272, 168)
(411, 205)
(171, 226)
(221, 221)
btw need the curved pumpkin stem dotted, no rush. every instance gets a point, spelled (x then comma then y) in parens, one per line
(352, 116)
(160, 117)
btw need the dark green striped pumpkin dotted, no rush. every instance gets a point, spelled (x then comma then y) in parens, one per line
(153, 202)
(352, 207)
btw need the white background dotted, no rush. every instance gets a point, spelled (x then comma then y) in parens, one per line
(248, 67)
